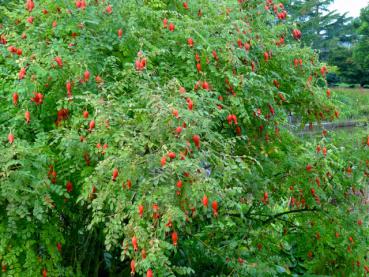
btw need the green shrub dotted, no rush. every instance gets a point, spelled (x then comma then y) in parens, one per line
(141, 136)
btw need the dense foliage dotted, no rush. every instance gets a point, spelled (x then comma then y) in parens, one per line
(149, 137)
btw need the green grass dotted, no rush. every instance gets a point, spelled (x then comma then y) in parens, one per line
(351, 136)
(349, 139)
(352, 103)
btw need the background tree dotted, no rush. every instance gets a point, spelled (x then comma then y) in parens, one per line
(361, 49)
(333, 35)
(315, 20)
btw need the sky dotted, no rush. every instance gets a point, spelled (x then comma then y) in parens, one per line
(351, 6)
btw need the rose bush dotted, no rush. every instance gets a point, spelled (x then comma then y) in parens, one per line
(150, 137)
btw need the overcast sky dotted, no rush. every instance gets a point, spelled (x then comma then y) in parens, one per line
(351, 6)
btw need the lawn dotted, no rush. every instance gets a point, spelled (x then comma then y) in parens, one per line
(353, 103)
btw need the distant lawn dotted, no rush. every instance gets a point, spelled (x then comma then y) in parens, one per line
(349, 138)
(353, 103)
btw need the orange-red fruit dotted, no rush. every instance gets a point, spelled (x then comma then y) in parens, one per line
(129, 184)
(109, 9)
(143, 254)
(238, 131)
(205, 85)
(179, 184)
(165, 23)
(15, 98)
(296, 34)
(115, 174)
(59, 61)
(172, 155)
(174, 238)
(214, 206)
(171, 27)
(266, 196)
(178, 130)
(140, 210)
(69, 88)
(69, 186)
(98, 79)
(175, 113)
(38, 98)
(30, 5)
(22, 73)
(189, 104)
(190, 42)
(215, 55)
(134, 243)
(196, 140)
(86, 75)
(11, 138)
(205, 201)
(133, 267)
(12, 49)
(92, 125)
(239, 43)
(318, 148)
(163, 161)
(197, 57)
(247, 46)
(27, 116)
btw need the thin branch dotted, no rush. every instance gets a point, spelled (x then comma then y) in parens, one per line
(250, 210)
(270, 219)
